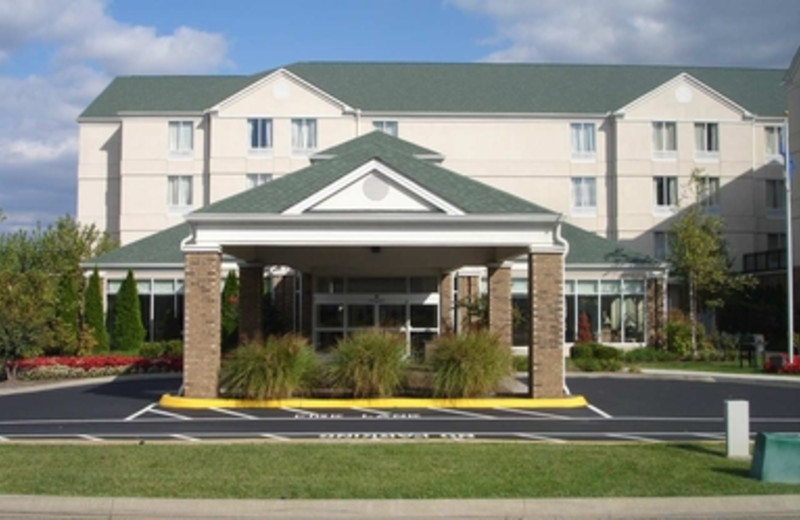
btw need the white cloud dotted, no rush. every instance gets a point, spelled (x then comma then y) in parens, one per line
(38, 134)
(709, 32)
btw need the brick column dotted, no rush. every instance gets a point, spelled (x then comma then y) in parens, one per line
(469, 290)
(251, 290)
(307, 305)
(546, 351)
(499, 300)
(201, 355)
(446, 305)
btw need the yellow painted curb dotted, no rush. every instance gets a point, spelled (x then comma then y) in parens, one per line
(574, 401)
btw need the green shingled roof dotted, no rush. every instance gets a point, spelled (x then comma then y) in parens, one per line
(274, 197)
(454, 87)
(467, 194)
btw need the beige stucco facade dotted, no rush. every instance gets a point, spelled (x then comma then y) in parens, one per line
(124, 163)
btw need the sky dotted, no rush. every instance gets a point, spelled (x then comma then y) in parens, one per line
(57, 55)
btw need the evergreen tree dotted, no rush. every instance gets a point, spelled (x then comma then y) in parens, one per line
(128, 332)
(230, 312)
(93, 312)
(67, 315)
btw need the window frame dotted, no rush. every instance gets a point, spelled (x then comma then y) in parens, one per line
(254, 180)
(176, 144)
(309, 138)
(660, 140)
(773, 133)
(709, 147)
(578, 188)
(708, 193)
(775, 198)
(382, 124)
(584, 149)
(668, 190)
(184, 203)
(661, 243)
(780, 238)
(263, 128)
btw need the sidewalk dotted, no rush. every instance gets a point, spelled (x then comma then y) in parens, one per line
(692, 374)
(50, 507)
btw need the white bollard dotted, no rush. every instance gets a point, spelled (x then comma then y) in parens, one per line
(737, 429)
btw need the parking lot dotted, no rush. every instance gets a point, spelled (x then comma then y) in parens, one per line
(621, 408)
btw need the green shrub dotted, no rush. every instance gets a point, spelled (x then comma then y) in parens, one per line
(371, 363)
(173, 347)
(229, 317)
(594, 351)
(152, 349)
(597, 364)
(128, 332)
(274, 369)
(520, 363)
(648, 355)
(581, 351)
(93, 313)
(470, 364)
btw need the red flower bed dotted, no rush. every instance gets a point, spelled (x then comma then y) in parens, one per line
(785, 367)
(141, 364)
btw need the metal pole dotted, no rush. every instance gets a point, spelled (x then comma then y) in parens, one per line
(789, 242)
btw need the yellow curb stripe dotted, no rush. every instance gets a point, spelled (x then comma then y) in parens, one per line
(573, 401)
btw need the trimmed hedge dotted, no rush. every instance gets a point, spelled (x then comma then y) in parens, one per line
(595, 357)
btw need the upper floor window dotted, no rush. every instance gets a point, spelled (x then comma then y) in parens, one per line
(665, 141)
(179, 191)
(584, 195)
(583, 140)
(180, 137)
(304, 135)
(260, 134)
(708, 192)
(257, 179)
(387, 127)
(776, 241)
(706, 139)
(660, 245)
(666, 192)
(773, 141)
(776, 197)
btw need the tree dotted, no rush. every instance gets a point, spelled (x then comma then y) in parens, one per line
(128, 332)
(230, 312)
(26, 308)
(698, 253)
(585, 334)
(93, 312)
(68, 315)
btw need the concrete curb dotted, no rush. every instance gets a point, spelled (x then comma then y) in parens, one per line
(657, 373)
(575, 401)
(44, 507)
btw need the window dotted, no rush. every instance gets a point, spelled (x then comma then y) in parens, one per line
(776, 241)
(666, 192)
(387, 127)
(257, 179)
(706, 139)
(665, 141)
(708, 192)
(180, 137)
(776, 197)
(773, 141)
(304, 135)
(583, 142)
(260, 134)
(584, 195)
(660, 245)
(179, 191)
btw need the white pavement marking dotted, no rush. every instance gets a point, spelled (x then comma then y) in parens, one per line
(566, 389)
(170, 414)
(90, 438)
(297, 410)
(715, 436)
(627, 437)
(234, 413)
(274, 437)
(140, 412)
(4, 439)
(370, 410)
(598, 411)
(184, 437)
(462, 412)
(535, 437)
(534, 414)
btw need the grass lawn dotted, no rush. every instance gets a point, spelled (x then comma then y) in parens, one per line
(378, 470)
(729, 367)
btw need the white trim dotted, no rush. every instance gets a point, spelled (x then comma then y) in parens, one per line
(281, 72)
(365, 169)
(685, 76)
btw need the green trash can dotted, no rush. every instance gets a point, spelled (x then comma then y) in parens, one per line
(776, 458)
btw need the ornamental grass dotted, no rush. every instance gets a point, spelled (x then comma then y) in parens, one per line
(470, 364)
(273, 369)
(370, 363)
